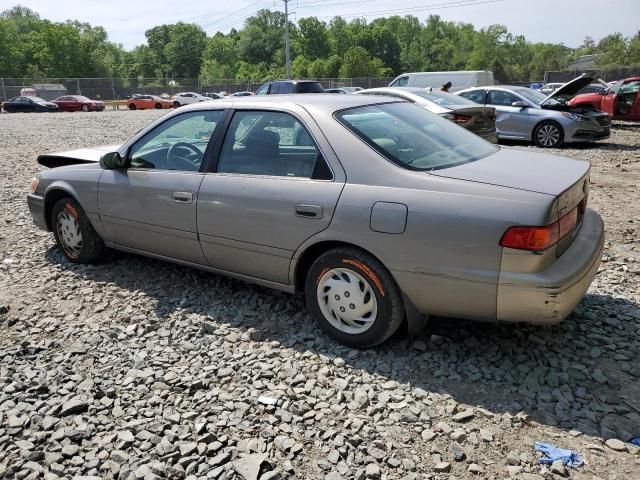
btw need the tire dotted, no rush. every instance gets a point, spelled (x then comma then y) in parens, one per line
(374, 310)
(548, 134)
(158, 106)
(85, 108)
(132, 106)
(176, 104)
(74, 234)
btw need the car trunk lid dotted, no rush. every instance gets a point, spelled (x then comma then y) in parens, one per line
(564, 178)
(476, 119)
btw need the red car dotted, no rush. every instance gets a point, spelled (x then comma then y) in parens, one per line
(77, 103)
(621, 100)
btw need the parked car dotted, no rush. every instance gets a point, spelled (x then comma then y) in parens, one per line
(549, 88)
(290, 86)
(78, 103)
(213, 95)
(620, 100)
(141, 102)
(242, 94)
(343, 90)
(459, 80)
(28, 104)
(380, 211)
(187, 98)
(547, 121)
(466, 113)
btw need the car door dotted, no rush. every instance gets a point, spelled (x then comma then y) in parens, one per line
(272, 188)
(608, 102)
(512, 122)
(150, 206)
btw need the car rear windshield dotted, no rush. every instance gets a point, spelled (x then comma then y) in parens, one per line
(309, 87)
(443, 98)
(414, 138)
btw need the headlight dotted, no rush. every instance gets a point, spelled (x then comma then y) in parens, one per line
(576, 117)
(35, 181)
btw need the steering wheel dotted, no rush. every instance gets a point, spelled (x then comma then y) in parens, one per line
(188, 164)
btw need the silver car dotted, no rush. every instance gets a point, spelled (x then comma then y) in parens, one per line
(546, 120)
(379, 211)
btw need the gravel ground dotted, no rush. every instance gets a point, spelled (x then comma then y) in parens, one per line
(138, 369)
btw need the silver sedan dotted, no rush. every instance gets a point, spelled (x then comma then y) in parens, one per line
(545, 120)
(379, 211)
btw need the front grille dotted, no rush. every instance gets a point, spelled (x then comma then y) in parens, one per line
(604, 120)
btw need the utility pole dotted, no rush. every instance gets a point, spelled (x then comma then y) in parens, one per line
(286, 38)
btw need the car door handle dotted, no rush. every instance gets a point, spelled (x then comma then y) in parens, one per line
(308, 211)
(183, 197)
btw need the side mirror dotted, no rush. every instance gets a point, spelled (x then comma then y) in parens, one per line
(112, 161)
(519, 104)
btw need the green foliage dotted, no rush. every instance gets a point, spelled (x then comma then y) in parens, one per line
(32, 46)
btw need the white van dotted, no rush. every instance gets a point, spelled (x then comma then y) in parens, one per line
(459, 80)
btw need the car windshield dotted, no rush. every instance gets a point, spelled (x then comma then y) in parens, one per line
(81, 98)
(532, 95)
(414, 138)
(37, 99)
(443, 98)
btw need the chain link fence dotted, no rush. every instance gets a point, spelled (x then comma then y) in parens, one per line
(121, 88)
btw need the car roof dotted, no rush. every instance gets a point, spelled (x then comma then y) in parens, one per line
(318, 101)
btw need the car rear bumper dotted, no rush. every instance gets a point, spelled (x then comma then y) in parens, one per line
(548, 296)
(36, 207)
(491, 136)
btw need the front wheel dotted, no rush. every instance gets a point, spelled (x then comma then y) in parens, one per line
(353, 297)
(132, 106)
(158, 106)
(548, 135)
(176, 104)
(74, 233)
(85, 108)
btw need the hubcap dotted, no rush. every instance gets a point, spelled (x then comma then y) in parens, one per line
(347, 301)
(69, 233)
(548, 135)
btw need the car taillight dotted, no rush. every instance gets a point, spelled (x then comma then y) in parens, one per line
(461, 118)
(536, 239)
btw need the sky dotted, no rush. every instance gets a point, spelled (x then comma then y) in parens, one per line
(555, 21)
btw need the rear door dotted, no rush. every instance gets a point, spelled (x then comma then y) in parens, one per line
(512, 122)
(272, 188)
(151, 205)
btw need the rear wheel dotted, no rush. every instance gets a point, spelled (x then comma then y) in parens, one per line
(353, 297)
(548, 134)
(158, 106)
(132, 106)
(85, 108)
(74, 234)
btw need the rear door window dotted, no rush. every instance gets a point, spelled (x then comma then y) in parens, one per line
(309, 87)
(271, 144)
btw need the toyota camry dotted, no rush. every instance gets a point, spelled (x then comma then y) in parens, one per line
(379, 211)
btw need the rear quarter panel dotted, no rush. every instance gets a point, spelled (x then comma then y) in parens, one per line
(447, 260)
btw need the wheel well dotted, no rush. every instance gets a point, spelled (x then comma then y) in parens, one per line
(314, 251)
(50, 200)
(547, 120)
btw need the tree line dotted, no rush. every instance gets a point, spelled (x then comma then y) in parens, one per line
(31, 46)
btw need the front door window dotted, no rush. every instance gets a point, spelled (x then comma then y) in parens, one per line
(177, 144)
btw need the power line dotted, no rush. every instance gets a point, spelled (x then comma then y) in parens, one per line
(437, 6)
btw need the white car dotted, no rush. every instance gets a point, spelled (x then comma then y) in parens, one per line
(185, 98)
